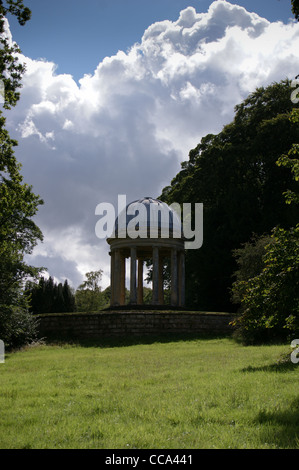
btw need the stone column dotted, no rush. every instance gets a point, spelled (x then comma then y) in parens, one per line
(133, 291)
(140, 282)
(182, 278)
(161, 293)
(122, 279)
(111, 278)
(155, 299)
(174, 278)
(116, 276)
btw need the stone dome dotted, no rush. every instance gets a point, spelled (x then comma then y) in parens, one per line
(156, 215)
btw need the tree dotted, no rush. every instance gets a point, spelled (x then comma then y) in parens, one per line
(11, 70)
(166, 276)
(295, 8)
(47, 296)
(249, 259)
(88, 295)
(68, 297)
(270, 298)
(234, 174)
(106, 296)
(291, 160)
(18, 204)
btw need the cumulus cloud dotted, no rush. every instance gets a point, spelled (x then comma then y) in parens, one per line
(126, 128)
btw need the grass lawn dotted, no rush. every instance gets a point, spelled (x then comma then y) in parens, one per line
(174, 394)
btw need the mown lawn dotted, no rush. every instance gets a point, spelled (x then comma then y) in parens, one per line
(176, 394)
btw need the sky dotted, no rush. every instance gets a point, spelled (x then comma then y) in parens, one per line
(117, 92)
(77, 35)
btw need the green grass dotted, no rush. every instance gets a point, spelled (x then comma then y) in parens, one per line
(173, 394)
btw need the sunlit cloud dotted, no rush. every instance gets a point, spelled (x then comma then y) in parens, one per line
(126, 128)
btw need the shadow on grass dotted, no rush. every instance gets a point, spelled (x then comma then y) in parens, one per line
(125, 341)
(282, 365)
(280, 427)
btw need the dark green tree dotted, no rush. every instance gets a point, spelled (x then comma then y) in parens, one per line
(106, 295)
(234, 174)
(68, 297)
(47, 296)
(58, 300)
(291, 161)
(11, 70)
(295, 8)
(18, 203)
(269, 298)
(250, 262)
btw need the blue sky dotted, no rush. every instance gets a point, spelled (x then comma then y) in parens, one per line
(117, 92)
(77, 34)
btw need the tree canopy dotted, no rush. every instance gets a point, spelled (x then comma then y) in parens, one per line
(48, 296)
(235, 175)
(18, 203)
(88, 295)
(269, 297)
(295, 8)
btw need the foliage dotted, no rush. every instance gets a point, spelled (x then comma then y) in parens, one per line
(17, 326)
(18, 233)
(18, 204)
(17, 8)
(11, 70)
(295, 8)
(234, 174)
(147, 295)
(249, 260)
(106, 295)
(47, 296)
(18, 236)
(166, 276)
(291, 160)
(88, 295)
(270, 300)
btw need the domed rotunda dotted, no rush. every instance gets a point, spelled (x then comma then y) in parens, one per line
(147, 229)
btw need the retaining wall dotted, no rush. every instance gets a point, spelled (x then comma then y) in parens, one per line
(97, 325)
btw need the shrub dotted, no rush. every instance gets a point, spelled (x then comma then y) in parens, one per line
(17, 326)
(270, 300)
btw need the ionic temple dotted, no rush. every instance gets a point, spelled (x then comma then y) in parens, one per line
(156, 235)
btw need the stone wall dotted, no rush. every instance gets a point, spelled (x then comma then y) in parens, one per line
(99, 325)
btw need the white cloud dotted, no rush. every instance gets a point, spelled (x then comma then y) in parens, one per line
(126, 128)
